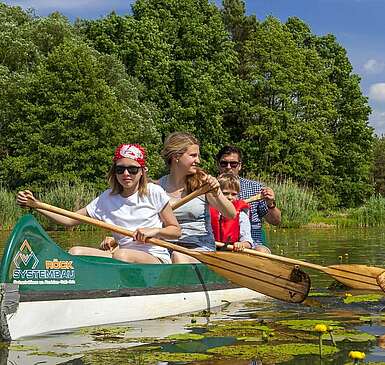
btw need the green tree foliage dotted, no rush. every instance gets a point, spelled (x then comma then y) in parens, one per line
(290, 100)
(181, 51)
(353, 136)
(379, 165)
(70, 93)
(302, 114)
(67, 113)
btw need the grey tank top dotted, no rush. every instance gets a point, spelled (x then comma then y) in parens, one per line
(195, 222)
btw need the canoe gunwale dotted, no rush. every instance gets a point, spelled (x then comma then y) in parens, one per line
(32, 296)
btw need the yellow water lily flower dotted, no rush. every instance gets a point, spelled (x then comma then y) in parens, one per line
(348, 295)
(320, 328)
(357, 355)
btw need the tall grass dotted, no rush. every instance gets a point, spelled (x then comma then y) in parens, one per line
(69, 197)
(371, 214)
(61, 195)
(10, 212)
(298, 204)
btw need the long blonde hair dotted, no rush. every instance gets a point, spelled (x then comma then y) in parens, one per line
(176, 144)
(116, 188)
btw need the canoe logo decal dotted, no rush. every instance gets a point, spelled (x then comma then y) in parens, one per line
(55, 271)
(25, 255)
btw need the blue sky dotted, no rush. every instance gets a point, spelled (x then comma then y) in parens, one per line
(357, 24)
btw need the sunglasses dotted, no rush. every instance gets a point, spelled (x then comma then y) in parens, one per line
(233, 164)
(132, 170)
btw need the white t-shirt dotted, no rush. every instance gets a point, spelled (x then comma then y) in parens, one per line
(131, 213)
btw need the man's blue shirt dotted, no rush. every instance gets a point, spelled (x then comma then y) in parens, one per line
(257, 209)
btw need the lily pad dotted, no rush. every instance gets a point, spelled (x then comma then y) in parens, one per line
(308, 324)
(125, 356)
(272, 354)
(104, 331)
(363, 298)
(320, 294)
(23, 348)
(185, 336)
(353, 336)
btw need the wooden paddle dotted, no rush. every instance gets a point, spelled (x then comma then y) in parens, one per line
(381, 280)
(251, 272)
(253, 198)
(202, 190)
(352, 275)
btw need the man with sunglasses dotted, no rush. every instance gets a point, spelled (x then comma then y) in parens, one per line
(229, 159)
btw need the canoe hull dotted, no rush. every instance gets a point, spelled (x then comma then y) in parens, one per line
(44, 289)
(39, 317)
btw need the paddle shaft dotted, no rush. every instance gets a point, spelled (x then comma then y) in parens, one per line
(286, 260)
(202, 190)
(253, 198)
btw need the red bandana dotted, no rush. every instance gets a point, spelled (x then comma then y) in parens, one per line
(132, 151)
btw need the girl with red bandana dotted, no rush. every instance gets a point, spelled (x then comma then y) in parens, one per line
(131, 202)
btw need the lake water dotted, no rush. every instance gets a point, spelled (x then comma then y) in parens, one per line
(321, 246)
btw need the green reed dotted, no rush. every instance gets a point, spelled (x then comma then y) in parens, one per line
(10, 212)
(298, 204)
(64, 195)
(69, 197)
(371, 214)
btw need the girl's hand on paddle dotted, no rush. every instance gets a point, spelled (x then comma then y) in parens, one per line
(213, 184)
(141, 234)
(108, 244)
(23, 196)
(240, 246)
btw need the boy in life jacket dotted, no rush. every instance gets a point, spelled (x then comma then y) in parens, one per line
(236, 231)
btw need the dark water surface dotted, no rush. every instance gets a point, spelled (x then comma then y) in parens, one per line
(321, 246)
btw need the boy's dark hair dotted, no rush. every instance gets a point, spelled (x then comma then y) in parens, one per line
(227, 150)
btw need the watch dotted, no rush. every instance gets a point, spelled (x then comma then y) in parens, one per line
(272, 206)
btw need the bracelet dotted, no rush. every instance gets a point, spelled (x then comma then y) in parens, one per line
(271, 206)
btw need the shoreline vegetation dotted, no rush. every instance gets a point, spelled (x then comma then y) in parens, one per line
(299, 205)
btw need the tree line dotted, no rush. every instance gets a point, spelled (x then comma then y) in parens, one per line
(70, 92)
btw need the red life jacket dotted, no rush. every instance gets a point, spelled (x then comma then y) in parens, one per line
(227, 230)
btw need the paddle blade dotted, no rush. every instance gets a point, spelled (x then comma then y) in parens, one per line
(381, 280)
(356, 276)
(278, 280)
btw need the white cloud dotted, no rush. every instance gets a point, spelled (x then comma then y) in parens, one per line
(44, 4)
(373, 66)
(377, 120)
(377, 91)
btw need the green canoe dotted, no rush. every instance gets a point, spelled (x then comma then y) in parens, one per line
(44, 289)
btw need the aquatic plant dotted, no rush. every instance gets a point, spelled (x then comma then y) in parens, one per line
(362, 298)
(308, 324)
(320, 329)
(356, 356)
(10, 212)
(371, 214)
(298, 204)
(271, 354)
